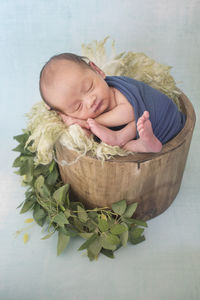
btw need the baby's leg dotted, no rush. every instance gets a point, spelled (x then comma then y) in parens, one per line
(111, 137)
(147, 142)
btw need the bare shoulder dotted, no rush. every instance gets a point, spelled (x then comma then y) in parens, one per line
(124, 105)
(120, 98)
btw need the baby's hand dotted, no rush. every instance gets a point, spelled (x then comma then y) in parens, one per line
(70, 121)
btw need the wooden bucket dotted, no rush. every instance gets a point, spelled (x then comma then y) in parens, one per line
(151, 179)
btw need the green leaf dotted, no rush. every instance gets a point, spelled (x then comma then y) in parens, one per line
(20, 204)
(113, 239)
(124, 236)
(67, 213)
(103, 225)
(108, 253)
(52, 166)
(131, 208)
(86, 235)
(111, 221)
(134, 221)
(39, 215)
(110, 241)
(60, 219)
(20, 148)
(90, 255)
(140, 222)
(52, 177)
(136, 232)
(78, 225)
(138, 240)
(17, 162)
(88, 242)
(136, 236)
(39, 182)
(40, 170)
(27, 178)
(21, 138)
(68, 231)
(91, 225)
(93, 214)
(118, 229)
(41, 188)
(48, 235)
(27, 205)
(119, 207)
(94, 248)
(82, 214)
(63, 241)
(26, 165)
(60, 194)
(74, 205)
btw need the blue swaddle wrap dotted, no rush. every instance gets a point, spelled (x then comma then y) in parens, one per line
(165, 117)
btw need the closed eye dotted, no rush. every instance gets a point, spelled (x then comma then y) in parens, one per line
(90, 87)
(79, 106)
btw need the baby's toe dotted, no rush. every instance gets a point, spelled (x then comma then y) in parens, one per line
(140, 126)
(141, 132)
(141, 121)
(146, 115)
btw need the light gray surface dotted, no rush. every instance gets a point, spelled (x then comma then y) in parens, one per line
(167, 264)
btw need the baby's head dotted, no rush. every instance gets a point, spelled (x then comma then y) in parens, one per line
(70, 85)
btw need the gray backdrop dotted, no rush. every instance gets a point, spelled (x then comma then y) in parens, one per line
(166, 266)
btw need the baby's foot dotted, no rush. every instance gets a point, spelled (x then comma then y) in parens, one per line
(147, 137)
(105, 134)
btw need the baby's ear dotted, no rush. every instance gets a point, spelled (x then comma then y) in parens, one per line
(97, 69)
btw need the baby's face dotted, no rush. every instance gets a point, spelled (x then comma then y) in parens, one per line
(79, 92)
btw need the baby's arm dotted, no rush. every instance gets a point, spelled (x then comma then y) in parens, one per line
(111, 137)
(120, 115)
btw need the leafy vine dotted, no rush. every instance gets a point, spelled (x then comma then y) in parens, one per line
(105, 230)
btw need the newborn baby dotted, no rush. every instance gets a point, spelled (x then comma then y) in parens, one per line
(81, 93)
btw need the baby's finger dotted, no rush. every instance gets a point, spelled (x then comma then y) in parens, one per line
(68, 120)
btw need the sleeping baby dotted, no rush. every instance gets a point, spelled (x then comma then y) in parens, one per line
(143, 118)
